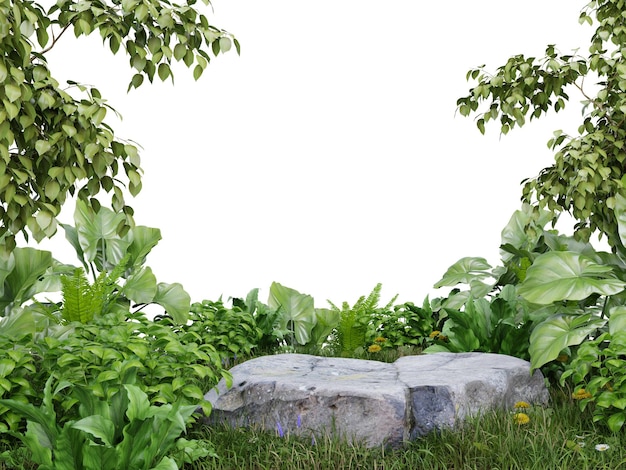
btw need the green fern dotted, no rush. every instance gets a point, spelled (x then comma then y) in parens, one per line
(82, 301)
(352, 328)
(79, 301)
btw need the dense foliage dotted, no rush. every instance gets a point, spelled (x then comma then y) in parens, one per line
(89, 380)
(54, 143)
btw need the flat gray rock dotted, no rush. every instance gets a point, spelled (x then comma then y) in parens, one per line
(370, 402)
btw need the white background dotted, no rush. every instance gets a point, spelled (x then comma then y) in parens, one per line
(328, 156)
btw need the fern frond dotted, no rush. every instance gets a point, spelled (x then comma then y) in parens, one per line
(77, 297)
(371, 302)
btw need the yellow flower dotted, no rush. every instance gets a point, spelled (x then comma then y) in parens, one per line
(380, 339)
(434, 334)
(580, 394)
(562, 358)
(521, 418)
(374, 348)
(522, 404)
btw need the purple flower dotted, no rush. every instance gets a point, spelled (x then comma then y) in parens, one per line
(299, 422)
(279, 428)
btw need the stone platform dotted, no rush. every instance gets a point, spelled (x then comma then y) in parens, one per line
(369, 402)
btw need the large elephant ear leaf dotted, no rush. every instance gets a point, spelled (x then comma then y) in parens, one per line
(565, 275)
(175, 300)
(144, 239)
(553, 335)
(7, 263)
(294, 307)
(617, 319)
(22, 282)
(97, 235)
(620, 216)
(465, 271)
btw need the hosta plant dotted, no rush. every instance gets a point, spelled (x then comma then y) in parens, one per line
(104, 354)
(123, 432)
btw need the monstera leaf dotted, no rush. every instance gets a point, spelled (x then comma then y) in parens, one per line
(565, 275)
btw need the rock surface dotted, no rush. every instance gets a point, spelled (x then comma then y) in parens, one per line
(370, 402)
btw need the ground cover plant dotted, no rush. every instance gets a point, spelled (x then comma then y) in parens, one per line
(88, 381)
(557, 437)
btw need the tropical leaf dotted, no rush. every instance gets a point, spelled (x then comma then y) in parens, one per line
(326, 320)
(556, 333)
(98, 237)
(144, 239)
(98, 427)
(22, 282)
(564, 275)
(174, 299)
(617, 319)
(620, 216)
(464, 271)
(295, 309)
(141, 286)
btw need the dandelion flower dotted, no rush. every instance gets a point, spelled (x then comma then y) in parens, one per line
(374, 348)
(522, 404)
(581, 394)
(602, 447)
(521, 418)
(380, 339)
(435, 334)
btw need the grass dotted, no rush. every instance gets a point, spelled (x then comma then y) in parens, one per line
(556, 437)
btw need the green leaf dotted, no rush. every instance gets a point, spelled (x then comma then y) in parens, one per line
(616, 421)
(138, 403)
(175, 300)
(12, 92)
(97, 235)
(197, 71)
(98, 427)
(42, 146)
(556, 333)
(617, 319)
(565, 275)
(620, 216)
(22, 283)
(225, 44)
(141, 286)
(164, 71)
(465, 271)
(295, 309)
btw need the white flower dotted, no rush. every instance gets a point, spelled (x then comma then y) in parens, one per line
(602, 447)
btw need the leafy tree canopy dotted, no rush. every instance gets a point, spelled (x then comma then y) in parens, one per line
(589, 172)
(53, 144)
